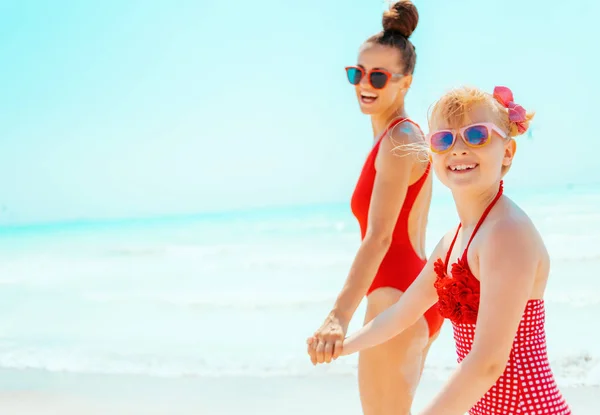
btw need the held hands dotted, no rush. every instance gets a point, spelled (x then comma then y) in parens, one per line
(327, 342)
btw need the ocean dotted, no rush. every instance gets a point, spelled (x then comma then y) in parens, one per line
(236, 294)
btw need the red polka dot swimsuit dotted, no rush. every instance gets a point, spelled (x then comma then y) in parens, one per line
(527, 386)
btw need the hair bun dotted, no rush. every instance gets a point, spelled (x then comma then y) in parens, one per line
(402, 17)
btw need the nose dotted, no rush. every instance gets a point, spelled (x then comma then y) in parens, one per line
(460, 148)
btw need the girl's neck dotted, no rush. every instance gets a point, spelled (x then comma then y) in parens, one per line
(470, 205)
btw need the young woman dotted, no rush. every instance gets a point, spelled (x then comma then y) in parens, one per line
(391, 203)
(489, 276)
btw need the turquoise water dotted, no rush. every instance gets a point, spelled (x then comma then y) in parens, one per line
(237, 293)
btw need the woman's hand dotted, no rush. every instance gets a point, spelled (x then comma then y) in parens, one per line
(327, 342)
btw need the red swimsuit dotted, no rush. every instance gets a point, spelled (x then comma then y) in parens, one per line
(401, 264)
(527, 386)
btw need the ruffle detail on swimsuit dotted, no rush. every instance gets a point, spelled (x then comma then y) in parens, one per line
(458, 293)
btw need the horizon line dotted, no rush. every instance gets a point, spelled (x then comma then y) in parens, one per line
(164, 217)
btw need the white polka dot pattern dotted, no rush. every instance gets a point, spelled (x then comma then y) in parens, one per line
(527, 386)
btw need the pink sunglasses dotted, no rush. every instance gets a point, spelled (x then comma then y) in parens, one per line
(474, 135)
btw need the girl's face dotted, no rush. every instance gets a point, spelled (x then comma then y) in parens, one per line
(472, 154)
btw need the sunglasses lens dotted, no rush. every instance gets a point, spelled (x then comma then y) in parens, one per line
(441, 141)
(378, 79)
(477, 135)
(354, 75)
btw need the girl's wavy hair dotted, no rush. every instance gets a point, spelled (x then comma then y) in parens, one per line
(453, 108)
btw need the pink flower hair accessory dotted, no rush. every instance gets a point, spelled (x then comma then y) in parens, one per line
(516, 113)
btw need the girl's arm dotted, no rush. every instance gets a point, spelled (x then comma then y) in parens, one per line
(419, 297)
(508, 260)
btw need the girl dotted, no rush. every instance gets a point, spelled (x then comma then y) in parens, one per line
(489, 276)
(391, 203)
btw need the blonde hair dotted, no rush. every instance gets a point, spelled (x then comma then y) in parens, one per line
(454, 106)
(453, 109)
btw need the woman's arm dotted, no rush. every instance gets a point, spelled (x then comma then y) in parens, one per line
(508, 261)
(419, 297)
(389, 191)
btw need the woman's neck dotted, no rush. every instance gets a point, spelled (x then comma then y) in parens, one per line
(470, 205)
(380, 122)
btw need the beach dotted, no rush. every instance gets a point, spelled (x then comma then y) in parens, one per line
(176, 184)
(209, 314)
(131, 395)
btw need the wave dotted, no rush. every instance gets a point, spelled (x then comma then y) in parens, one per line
(167, 250)
(242, 301)
(580, 369)
(575, 299)
(281, 301)
(246, 299)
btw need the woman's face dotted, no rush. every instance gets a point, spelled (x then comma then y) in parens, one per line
(372, 100)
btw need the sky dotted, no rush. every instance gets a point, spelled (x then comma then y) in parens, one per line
(141, 108)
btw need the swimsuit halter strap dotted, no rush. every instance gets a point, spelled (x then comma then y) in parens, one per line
(390, 126)
(481, 219)
(419, 183)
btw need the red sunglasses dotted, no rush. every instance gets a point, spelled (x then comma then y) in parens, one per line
(378, 78)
